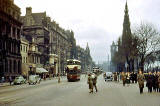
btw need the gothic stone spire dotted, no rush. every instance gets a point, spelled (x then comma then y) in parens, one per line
(126, 25)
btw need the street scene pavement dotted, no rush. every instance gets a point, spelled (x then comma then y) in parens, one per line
(52, 93)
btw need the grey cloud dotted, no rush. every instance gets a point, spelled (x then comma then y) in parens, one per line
(99, 41)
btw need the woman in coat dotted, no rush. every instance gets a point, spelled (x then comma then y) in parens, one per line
(90, 83)
(149, 83)
(140, 79)
(128, 78)
(123, 76)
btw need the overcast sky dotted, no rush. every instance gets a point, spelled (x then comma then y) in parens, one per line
(98, 22)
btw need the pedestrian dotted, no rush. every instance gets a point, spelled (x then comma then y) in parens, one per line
(123, 78)
(104, 76)
(149, 83)
(140, 79)
(10, 80)
(118, 76)
(132, 77)
(115, 76)
(135, 77)
(159, 81)
(90, 83)
(3, 80)
(95, 82)
(128, 78)
(154, 81)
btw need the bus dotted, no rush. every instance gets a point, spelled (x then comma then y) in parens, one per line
(73, 70)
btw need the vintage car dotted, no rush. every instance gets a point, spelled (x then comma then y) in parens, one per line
(34, 79)
(108, 76)
(19, 80)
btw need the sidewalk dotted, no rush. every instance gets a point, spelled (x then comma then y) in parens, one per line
(4, 84)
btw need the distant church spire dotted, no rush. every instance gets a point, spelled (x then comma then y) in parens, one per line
(126, 8)
(87, 49)
(126, 25)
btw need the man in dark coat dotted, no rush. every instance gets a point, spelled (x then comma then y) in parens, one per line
(10, 80)
(154, 82)
(90, 83)
(149, 82)
(95, 82)
(135, 77)
(132, 77)
(156, 79)
(115, 76)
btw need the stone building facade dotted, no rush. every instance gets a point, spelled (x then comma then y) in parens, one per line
(10, 29)
(24, 54)
(113, 50)
(34, 56)
(81, 56)
(52, 40)
(88, 59)
(59, 45)
(34, 27)
(85, 57)
(30, 56)
(54, 43)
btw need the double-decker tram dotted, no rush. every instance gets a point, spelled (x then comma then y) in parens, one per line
(73, 70)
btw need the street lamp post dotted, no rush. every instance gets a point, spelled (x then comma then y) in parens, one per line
(59, 80)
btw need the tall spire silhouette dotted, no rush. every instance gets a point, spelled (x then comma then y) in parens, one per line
(126, 25)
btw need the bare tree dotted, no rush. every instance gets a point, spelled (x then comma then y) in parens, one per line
(148, 41)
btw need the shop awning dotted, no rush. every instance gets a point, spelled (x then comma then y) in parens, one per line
(41, 70)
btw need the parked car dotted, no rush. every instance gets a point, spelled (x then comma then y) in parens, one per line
(109, 76)
(19, 80)
(34, 79)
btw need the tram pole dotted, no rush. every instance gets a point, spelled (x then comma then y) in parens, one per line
(59, 80)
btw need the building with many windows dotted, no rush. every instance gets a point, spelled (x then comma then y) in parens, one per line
(24, 54)
(54, 43)
(52, 40)
(10, 29)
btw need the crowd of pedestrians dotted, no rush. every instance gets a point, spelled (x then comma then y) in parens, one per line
(152, 80)
(126, 77)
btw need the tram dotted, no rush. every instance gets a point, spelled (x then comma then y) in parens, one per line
(73, 70)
